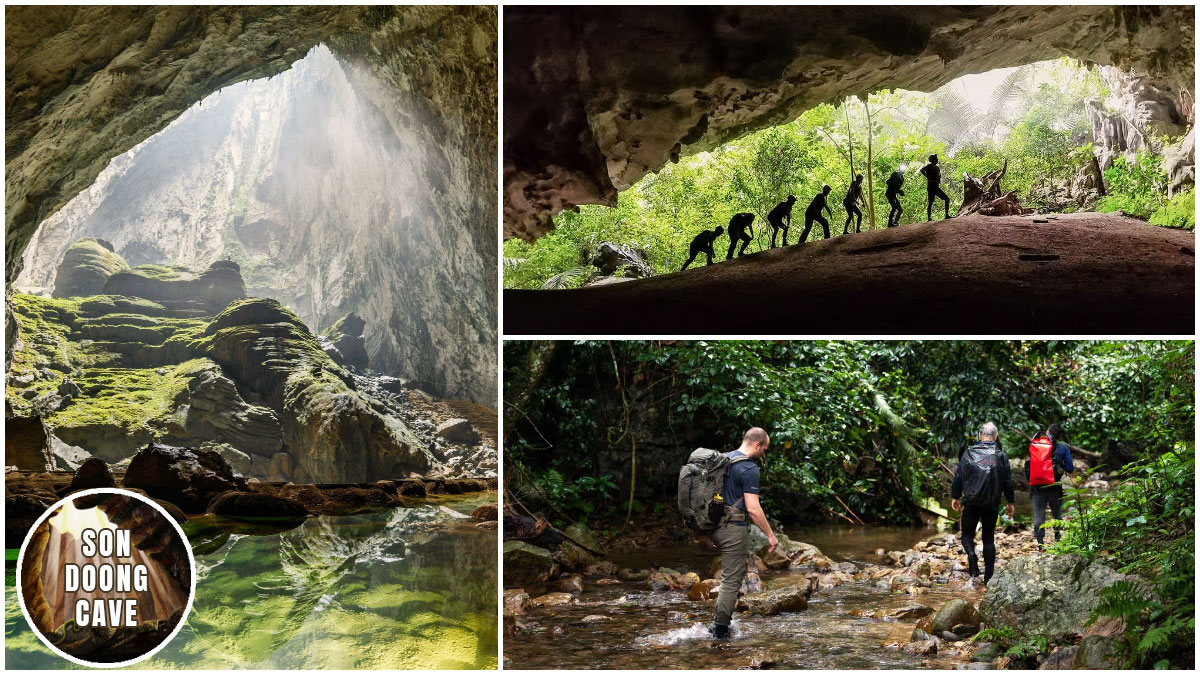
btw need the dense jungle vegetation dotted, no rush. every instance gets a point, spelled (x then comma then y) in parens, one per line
(866, 431)
(1035, 118)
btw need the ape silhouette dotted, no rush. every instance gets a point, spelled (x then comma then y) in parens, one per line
(813, 213)
(781, 212)
(853, 196)
(895, 186)
(740, 230)
(703, 243)
(933, 187)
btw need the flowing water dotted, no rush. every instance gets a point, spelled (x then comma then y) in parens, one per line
(406, 588)
(666, 630)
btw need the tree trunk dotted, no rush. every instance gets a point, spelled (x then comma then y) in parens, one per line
(870, 164)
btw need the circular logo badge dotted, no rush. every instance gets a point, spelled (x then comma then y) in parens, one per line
(106, 578)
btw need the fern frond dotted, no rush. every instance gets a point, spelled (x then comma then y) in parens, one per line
(563, 279)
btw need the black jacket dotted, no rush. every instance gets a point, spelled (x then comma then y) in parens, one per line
(1003, 469)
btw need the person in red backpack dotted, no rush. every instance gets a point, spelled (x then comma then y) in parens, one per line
(1049, 459)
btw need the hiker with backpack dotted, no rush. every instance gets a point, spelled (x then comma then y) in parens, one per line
(1048, 460)
(718, 495)
(983, 475)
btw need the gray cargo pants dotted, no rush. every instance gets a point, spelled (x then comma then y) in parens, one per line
(733, 538)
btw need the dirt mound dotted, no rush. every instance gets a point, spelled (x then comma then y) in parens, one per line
(979, 275)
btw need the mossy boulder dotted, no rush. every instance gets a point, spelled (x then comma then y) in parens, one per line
(527, 566)
(212, 290)
(85, 267)
(1052, 595)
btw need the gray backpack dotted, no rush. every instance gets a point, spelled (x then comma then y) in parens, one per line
(701, 481)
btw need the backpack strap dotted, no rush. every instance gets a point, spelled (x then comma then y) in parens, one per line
(742, 499)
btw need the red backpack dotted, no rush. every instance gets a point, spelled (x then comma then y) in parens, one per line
(1041, 461)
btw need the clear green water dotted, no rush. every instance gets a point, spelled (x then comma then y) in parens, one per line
(406, 588)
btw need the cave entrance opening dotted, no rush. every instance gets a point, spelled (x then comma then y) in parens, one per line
(265, 173)
(1070, 136)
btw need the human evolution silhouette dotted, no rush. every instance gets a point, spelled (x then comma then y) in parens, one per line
(780, 218)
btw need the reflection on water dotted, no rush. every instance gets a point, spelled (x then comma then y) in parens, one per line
(666, 630)
(404, 588)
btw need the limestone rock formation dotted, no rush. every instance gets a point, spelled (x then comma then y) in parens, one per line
(249, 384)
(210, 291)
(255, 506)
(186, 477)
(346, 336)
(610, 257)
(27, 444)
(85, 266)
(1054, 593)
(598, 97)
(401, 101)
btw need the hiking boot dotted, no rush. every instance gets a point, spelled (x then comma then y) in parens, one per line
(973, 565)
(718, 631)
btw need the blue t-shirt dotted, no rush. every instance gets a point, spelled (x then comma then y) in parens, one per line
(741, 479)
(1063, 453)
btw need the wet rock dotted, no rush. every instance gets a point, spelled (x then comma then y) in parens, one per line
(986, 651)
(256, 507)
(607, 582)
(485, 512)
(27, 444)
(516, 601)
(526, 565)
(629, 574)
(571, 584)
(906, 613)
(948, 636)
(413, 487)
(595, 618)
(677, 617)
(921, 647)
(572, 557)
(953, 613)
(964, 630)
(553, 600)
(773, 602)
(752, 583)
(707, 589)
(663, 579)
(186, 477)
(1052, 595)
(92, 474)
(900, 582)
(459, 430)
(686, 581)
(603, 568)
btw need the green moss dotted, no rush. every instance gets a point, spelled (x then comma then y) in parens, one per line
(163, 272)
(129, 398)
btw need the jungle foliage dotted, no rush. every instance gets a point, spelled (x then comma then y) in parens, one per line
(861, 430)
(1035, 118)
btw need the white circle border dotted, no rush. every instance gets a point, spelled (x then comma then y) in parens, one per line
(187, 609)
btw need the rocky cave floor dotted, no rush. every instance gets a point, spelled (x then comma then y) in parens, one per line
(1066, 273)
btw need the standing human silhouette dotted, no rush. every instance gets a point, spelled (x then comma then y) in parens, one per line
(895, 186)
(853, 196)
(933, 187)
(740, 230)
(813, 213)
(777, 217)
(703, 243)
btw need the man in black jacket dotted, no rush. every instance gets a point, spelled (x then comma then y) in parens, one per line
(983, 474)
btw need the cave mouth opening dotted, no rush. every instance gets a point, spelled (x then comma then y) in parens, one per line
(265, 173)
(1071, 136)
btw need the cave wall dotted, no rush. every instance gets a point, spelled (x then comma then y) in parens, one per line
(598, 97)
(86, 84)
